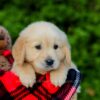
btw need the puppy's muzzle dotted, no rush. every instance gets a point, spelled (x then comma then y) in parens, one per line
(49, 62)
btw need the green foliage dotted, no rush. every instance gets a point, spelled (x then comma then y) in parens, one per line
(80, 19)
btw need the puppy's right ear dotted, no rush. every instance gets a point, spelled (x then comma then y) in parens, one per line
(68, 55)
(18, 51)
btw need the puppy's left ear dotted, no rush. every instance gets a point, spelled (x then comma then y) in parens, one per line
(68, 55)
(18, 51)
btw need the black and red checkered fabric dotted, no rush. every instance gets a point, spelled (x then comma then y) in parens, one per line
(12, 89)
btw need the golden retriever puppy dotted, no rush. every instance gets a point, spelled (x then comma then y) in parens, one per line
(40, 48)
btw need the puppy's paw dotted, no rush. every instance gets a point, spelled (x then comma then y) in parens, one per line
(27, 80)
(58, 77)
(26, 74)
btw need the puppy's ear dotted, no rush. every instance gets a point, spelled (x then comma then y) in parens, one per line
(68, 55)
(18, 51)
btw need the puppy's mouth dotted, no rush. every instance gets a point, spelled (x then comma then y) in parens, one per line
(49, 67)
(42, 66)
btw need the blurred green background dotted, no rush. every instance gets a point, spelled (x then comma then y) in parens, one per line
(80, 19)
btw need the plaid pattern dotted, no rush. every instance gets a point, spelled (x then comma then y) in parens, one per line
(12, 89)
(40, 91)
(70, 87)
(7, 54)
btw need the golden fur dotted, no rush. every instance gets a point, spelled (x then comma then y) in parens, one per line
(29, 60)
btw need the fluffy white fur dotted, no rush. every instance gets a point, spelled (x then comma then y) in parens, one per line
(29, 60)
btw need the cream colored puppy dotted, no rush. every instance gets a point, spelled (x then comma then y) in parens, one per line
(40, 48)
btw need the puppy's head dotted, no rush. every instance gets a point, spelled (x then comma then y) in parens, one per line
(43, 45)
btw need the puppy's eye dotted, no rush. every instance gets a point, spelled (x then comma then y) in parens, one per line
(55, 46)
(38, 47)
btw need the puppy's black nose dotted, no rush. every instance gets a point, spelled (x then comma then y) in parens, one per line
(49, 62)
